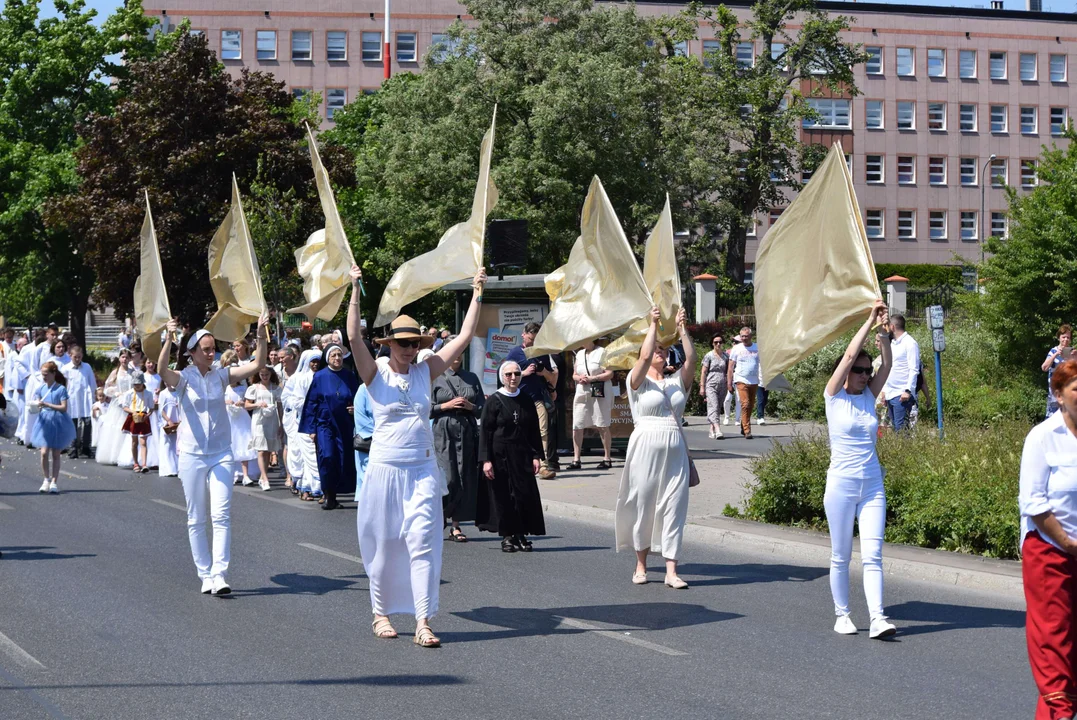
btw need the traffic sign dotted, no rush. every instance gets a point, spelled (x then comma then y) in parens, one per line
(934, 317)
(938, 340)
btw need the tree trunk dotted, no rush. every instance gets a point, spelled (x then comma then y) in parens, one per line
(79, 304)
(735, 252)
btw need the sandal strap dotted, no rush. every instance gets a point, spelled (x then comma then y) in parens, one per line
(383, 627)
(425, 636)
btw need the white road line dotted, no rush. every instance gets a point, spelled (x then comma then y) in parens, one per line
(334, 553)
(292, 503)
(16, 653)
(170, 504)
(71, 474)
(5, 506)
(622, 636)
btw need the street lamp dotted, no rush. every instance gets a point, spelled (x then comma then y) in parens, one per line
(983, 206)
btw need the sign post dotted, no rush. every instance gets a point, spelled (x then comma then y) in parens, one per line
(938, 343)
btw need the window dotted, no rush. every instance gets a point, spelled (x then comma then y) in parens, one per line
(998, 118)
(336, 45)
(997, 61)
(907, 224)
(301, 45)
(745, 55)
(1058, 120)
(936, 116)
(335, 99)
(873, 114)
(1027, 66)
(936, 224)
(1058, 68)
(873, 168)
(197, 33)
(833, 113)
(968, 171)
(775, 213)
(967, 64)
(300, 92)
(968, 225)
(906, 115)
(371, 46)
(680, 49)
(231, 44)
(441, 45)
(998, 173)
(936, 170)
(406, 47)
(1028, 120)
(968, 118)
(998, 224)
(906, 169)
(709, 48)
(874, 224)
(906, 64)
(750, 230)
(805, 175)
(936, 62)
(749, 276)
(776, 52)
(874, 65)
(267, 44)
(777, 171)
(1028, 173)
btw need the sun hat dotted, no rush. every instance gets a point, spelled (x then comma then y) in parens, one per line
(405, 328)
(137, 378)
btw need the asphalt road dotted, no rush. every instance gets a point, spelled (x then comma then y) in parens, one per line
(101, 617)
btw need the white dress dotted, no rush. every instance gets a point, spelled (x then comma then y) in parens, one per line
(168, 457)
(240, 420)
(97, 414)
(652, 500)
(265, 422)
(112, 440)
(302, 454)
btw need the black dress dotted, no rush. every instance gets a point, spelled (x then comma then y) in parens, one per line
(509, 438)
(456, 441)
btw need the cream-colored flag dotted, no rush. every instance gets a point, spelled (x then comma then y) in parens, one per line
(458, 255)
(814, 276)
(664, 281)
(326, 260)
(600, 289)
(151, 300)
(234, 275)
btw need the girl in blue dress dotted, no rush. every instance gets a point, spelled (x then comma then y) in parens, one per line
(53, 430)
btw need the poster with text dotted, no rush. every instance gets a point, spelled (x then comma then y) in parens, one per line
(512, 318)
(498, 345)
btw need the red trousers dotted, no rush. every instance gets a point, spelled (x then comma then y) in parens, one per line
(1050, 580)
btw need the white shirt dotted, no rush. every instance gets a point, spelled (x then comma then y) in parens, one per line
(401, 405)
(1049, 477)
(204, 426)
(43, 353)
(28, 354)
(590, 363)
(746, 358)
(81, 389)
(853, 427)
(904, 367)
(153, 382)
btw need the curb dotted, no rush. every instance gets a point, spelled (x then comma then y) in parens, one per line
(817, 553)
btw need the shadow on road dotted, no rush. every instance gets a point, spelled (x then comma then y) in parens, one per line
(298, 584)
(375, 680)
(63, 491)
(571, 548)
(749, 573)
(33, 552)
(943, 617)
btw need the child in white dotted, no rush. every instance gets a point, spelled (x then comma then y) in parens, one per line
(167, 453)
(96, 413)
(854, 482)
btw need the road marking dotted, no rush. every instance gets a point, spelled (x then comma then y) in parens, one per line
(292, 503)
(71, 474)
(622, 636)
(334, 553)
(5, 506)
(16, 653)
(170, 504)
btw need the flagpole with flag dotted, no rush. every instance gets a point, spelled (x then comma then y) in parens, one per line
(152, 311)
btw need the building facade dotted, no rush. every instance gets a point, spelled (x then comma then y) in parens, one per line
(955, 103)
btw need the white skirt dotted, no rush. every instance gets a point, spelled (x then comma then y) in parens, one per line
(111, 440)
(168, 455)
(25, 429)
(400, 526)
(241, 435)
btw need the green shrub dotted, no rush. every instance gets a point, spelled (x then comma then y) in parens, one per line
(922, 276)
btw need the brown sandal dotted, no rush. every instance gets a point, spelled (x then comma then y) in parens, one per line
(383, 629)
(425, 637)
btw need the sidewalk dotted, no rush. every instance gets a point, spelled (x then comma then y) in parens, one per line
(591, 495)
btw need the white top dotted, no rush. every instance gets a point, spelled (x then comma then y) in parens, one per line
(260, 393)
(853, 427)
(16, 373)
(746, 369)
(169, 405)
(401, 405)
(42, 354)
(1049, 477)
(904, 367)
(153, 382)
(128, 400)
(28, 355)
(590, 363)
(647, 402)
(204, 427)
(81, 390)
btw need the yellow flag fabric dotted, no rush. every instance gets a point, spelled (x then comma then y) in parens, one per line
(814, 276)
(458, 255)
(326, 260)
(234, 275)
(664, 282)
(600, 289)
(151, 300)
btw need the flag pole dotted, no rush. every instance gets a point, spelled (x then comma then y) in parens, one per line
(387, 56)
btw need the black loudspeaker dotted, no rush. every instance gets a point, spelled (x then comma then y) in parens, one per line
(507, 240)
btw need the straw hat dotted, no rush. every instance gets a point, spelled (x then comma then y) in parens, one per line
(405, 328)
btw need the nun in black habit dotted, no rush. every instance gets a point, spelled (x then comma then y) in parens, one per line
(456, 403)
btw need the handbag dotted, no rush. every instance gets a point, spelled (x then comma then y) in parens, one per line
(597, 390)
(693, 472)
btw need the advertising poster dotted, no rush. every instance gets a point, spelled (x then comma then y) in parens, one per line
(498, 345)
(512, 318)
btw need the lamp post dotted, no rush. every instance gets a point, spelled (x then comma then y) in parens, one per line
(983, 206)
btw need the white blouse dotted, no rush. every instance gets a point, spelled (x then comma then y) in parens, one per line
(1049, 477)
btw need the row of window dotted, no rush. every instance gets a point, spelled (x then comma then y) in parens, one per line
(835, 113)
(336, 45)
(938, 224)
(335, 98)
(1028, 64)
(969, 170)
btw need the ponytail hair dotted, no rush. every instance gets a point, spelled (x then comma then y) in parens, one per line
(56, 374)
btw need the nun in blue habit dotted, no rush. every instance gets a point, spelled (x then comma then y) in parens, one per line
(327, 415)
(364, 432)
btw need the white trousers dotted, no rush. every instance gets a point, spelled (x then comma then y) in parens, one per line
(207, 485)
(726, 402)
(862, 499)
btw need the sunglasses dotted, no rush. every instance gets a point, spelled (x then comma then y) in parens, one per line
(407, 343)
(513, 374)
(860, 370)
(716, 342)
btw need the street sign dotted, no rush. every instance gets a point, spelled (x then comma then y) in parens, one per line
(934, 317)
(938, 340)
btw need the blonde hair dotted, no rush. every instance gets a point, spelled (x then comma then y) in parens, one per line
(229, 357)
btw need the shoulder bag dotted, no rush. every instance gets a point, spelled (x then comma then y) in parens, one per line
(597, 389)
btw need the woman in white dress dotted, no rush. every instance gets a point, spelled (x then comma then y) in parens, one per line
(652, 501)
(302, 455)
(167, 453)
(400, 517)
(112, 441)
(263, 401)
(240, 421)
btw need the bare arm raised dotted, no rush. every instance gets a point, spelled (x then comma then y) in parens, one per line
(445, 357)
(364, 363)
(646, 352)
(841, 372)
(688, 370)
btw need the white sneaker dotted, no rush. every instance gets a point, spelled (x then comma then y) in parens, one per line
(762, 421)
(881, 628)
(52, 487)
(236, 478)
(207, 586)
(719, 435)
(728, 420)
(264, 484)
(844, 625)
(220, 586)
(44, 486)
(247, 481)
(710, 434)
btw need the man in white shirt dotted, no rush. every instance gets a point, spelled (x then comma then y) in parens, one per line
(900, 388)
(81, 394)
(743, 373)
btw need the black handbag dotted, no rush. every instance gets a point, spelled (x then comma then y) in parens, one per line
(597, 390)
(361, 443)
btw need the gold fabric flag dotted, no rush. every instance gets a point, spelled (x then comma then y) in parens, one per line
(326, 260)
(458, 255)
(600, 289)
(234, 275)
(814, 276)
(664, 281)
(151, 300)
